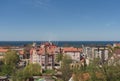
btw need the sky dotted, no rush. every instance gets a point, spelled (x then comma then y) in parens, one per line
(60, 20)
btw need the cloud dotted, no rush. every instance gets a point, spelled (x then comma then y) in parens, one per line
(37, 3)
(41, 3)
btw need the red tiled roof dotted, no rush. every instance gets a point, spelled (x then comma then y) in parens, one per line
(72, 49)
(41, 51)
(3, 50)
(50, 49)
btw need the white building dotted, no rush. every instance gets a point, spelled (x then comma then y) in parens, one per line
(92, 52)
(74, 53)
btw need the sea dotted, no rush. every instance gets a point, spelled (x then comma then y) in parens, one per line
(58, 43)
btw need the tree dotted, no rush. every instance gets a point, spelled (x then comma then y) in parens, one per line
(65, 68)
(99, 72)
(103, 72)
(6, 70)
(26, 73)
(10, 62)
(113, 57)
(59, 57)
(11, 58)
(32, 70)
(18, 76)
(112, 50)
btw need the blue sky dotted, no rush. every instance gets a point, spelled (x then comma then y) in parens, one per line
(59, 20)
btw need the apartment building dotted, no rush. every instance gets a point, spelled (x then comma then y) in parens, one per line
(43, 53)
(92, 52)
(74, 53)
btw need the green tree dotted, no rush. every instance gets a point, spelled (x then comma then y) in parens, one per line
(31, 70)
(26, 73)
(103, 72)
(97, 72)
(11, 58)
(10, 62)
(18, 76)
(6, 70)
(59, 57)
(65, 68)
(111, 72)
(112, 50)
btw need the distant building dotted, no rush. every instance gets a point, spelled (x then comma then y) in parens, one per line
(2, 52)
(117, 53)
(116, 45)
(37, 54)
(74, 53)
(19, 50)
(115, 57)
(92, 52)
(21, 54)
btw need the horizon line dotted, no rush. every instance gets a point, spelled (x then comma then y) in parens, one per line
(55, 40)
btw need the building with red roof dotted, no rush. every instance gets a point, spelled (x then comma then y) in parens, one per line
(116, 44)
(74, 53)
(2, 52)
(37, 54)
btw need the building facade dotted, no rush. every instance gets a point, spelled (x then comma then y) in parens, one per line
(92, 52)
(43, 54)
(74, 53)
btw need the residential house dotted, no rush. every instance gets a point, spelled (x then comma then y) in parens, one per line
(116, 45)
(2, 52)
(38, 54)
(20, 51)
(74, 53)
